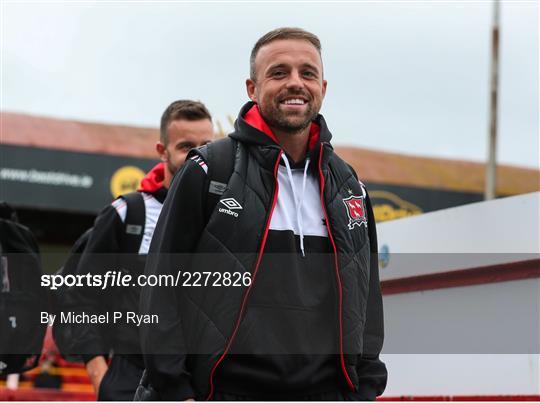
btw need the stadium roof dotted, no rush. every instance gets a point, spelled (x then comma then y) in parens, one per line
(371, 166)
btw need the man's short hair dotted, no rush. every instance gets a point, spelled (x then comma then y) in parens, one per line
(279, 34)
(182, 109)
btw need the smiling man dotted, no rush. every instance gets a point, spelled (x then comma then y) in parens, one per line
(298, 223)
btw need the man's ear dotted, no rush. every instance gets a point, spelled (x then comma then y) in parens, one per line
(324, 83)
(162, 151)
(251, 89)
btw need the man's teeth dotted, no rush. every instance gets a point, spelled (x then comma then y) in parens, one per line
(294, 102)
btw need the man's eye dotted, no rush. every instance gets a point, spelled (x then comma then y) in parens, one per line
(309, 74)
(278, 74)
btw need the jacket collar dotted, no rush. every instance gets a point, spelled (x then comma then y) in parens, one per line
(251, 129)
(153, 182)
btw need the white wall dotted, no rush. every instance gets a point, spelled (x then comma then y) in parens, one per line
(462, 374)
(472, 340)
(498, 231)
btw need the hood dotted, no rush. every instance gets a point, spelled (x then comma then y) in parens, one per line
(251, 128)
(153, 180)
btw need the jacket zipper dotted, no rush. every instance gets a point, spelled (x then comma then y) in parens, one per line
(254, 276)
(338, 277)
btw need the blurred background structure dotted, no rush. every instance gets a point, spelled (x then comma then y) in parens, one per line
(410, 103)
(57, 171)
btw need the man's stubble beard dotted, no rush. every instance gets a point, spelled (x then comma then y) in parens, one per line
(277, 119)
(170, 166)
(172, 169)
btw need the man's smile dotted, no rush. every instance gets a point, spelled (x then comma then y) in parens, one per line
(294, 103)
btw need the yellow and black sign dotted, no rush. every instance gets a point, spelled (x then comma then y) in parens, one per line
(125, 180)
(391, 202)
(387, 206)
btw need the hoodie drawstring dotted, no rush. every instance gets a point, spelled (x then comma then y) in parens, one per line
(298, 202)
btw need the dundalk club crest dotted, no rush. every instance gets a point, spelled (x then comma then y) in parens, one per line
(356, 211)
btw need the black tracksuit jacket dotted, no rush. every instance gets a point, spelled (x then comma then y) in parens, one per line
(103, 252)
(311, 320)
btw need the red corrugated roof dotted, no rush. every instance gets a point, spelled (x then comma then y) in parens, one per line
(372, 166)
(34, 131)
(466, 176)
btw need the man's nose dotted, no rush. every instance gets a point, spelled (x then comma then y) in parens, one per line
(295, 80)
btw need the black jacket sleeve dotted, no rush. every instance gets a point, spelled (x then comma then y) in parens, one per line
(178, 229)
(372, 373)
(98, 257)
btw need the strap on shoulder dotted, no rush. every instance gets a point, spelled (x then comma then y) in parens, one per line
(220, 157)
(134, 223)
